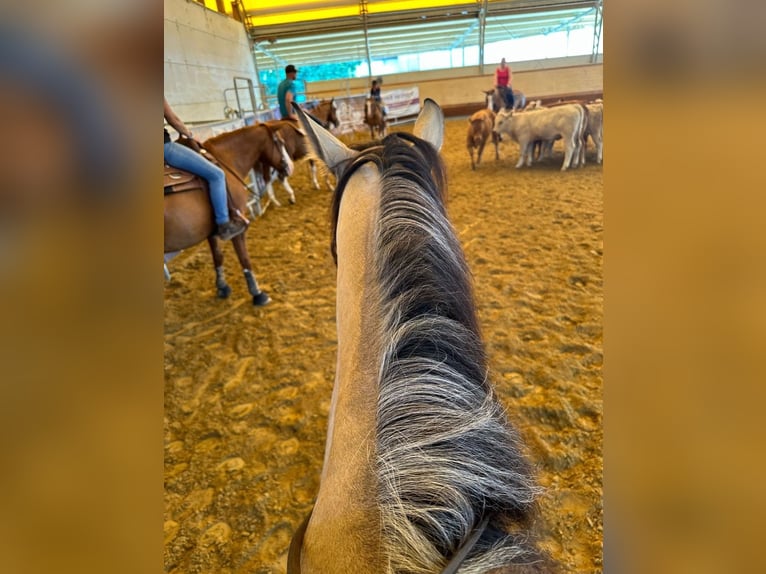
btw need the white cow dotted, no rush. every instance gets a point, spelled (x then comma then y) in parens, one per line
(595, 128)
(545, 124)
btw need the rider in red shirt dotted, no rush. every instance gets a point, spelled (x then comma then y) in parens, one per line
(503, 76)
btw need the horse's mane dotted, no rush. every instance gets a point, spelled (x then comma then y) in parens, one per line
(446, 454)
(228, 135)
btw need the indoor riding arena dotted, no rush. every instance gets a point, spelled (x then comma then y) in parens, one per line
(248, 389)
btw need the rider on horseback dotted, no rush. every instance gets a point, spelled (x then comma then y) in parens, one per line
(503, 76)
(182, 157)
(375, 95)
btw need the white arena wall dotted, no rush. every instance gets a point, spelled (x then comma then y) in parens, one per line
(536, 79)
(204, 52)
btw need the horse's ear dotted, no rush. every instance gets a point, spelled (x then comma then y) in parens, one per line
(430, 124)
(325, 146)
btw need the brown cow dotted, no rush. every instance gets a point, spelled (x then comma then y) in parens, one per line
(479, 129)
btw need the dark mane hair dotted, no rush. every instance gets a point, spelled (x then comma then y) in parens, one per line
(446, 456)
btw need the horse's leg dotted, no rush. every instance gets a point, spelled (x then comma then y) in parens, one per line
(496, 142)
(222, 288)
(255, 201)
(240, 247)
(313, 172)
(270, 191)
(286, 185)
(255, 196)
(470, 151)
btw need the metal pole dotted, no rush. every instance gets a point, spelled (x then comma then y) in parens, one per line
(482, 25)
(597, 27)
(363, 13)
(238, 6)
(261, 87)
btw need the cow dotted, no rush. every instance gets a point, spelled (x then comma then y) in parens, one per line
(595, 128)
(581, 139)
(545, 124)
(480, 128)
(544, 148)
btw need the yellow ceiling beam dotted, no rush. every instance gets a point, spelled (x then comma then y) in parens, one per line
(372, 5)
(272, 12)
(260, 19)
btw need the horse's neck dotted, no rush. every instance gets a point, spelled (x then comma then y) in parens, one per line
(229, 155)
(248, 147)
(343, 533)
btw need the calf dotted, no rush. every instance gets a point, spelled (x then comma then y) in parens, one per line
(480, 127)
(544, 124)
(595, 128)
(581, 139)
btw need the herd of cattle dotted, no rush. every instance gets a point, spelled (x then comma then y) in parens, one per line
(536, 127)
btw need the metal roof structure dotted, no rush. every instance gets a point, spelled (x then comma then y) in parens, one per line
(317, 32)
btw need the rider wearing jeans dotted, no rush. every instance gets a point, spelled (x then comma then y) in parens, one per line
(187, 159)
(503, 76)
(375, 95)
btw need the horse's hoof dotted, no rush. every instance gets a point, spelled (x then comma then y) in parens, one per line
(292, 202)
(261, 299)
(224, 292)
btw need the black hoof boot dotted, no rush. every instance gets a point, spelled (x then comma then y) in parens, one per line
(261, 299)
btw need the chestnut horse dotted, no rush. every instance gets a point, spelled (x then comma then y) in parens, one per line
(189, 215)
(326, 112)
(423, 473)
(295, 142)
(373, 117)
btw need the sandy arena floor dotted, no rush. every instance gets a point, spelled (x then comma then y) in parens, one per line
(247, 390)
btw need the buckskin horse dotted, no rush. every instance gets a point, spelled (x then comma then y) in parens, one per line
(373, 117)
(423, 472)
(189, 215)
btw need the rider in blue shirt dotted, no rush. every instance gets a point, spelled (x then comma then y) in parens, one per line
(375, 95)
(286, 93)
